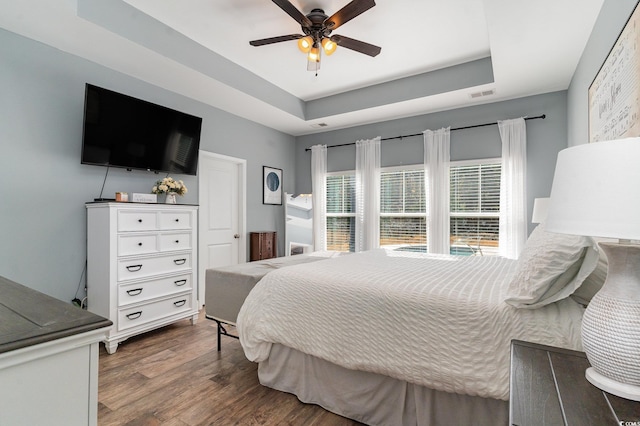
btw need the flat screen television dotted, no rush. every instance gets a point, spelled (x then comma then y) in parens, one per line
(122, 131)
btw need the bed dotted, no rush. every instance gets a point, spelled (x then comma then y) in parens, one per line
(227, 287)
(394, 338)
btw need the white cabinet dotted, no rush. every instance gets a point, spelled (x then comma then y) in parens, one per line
(48, 359)
(141, 266)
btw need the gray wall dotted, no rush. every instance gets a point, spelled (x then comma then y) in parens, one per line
(613, 15)
(545, 138)
(45, 188)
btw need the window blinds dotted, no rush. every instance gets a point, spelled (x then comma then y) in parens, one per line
(402, 209)
(475, 207)
(341, 190)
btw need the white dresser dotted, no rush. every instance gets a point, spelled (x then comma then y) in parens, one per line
(48, 359)
(141, 266)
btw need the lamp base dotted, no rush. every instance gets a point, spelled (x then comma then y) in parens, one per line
(611, 324)
(623, 390)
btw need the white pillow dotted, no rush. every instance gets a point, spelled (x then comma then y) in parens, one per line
(593, 283)
(550, 268)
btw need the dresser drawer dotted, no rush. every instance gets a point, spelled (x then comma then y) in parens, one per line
(137, 244)
(138, 315)
(142, 267)
(179, 219)
(132, 220)
(147, 290)
(177, 241)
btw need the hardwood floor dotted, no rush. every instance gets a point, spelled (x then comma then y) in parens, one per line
(175, 376)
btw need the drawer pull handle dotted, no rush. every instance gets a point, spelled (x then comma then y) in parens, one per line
(180, 283)
(140, 220)
(134, 315)
(177, 241)
(180, 303)
(134, 292)
(177, 220)
(134, 268)
(179, 261)
(140, 244)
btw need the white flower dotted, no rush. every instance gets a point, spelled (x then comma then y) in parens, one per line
(169, 185)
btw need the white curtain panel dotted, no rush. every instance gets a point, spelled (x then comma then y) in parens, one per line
(513, 197)
(319, 196)
(436, 162)
(367, 194)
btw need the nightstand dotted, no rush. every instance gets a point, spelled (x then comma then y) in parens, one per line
(263, 244)
(548, 387)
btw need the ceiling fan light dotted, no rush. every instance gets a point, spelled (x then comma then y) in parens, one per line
(329, 46)
(314, 54)
(313, 58)
(305, 44)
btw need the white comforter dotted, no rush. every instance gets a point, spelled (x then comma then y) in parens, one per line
(437, 321)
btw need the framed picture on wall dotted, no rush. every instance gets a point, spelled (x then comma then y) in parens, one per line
(271, 185)
(614, 94)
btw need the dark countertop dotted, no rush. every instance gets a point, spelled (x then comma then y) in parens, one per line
(28, 317)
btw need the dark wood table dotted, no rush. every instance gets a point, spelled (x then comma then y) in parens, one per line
(548, 387)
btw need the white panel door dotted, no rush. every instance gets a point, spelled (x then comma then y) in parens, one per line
(221, 221)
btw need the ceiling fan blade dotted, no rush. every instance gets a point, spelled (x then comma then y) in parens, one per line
(347, 13)
(357, 45)
(272, 40)
(293, 12)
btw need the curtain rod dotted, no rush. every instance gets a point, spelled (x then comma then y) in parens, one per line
(543, 116)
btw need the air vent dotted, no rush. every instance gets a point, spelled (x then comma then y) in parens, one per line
(483, 93)
(319, 125)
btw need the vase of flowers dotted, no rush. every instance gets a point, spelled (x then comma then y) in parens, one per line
(171, 198)
(171, 187)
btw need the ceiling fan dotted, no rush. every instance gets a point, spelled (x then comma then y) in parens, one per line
(317, 28)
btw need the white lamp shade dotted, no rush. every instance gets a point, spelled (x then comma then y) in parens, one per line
(596, 190)
(540, 210)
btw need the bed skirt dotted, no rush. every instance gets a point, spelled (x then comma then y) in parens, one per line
(372, 398)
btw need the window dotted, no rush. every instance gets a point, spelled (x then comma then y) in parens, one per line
(341, 211)
(403, 220)
(475, 207)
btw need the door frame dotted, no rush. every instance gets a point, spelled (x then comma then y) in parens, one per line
(241, 165)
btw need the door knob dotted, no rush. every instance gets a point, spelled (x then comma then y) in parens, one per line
(236, 236)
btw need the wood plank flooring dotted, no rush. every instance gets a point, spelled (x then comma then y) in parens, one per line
(174, 376)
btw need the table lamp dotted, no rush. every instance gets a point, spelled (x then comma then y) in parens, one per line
(596, 192)
(540, 210)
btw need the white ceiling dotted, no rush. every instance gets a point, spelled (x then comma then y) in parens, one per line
(534, 47)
